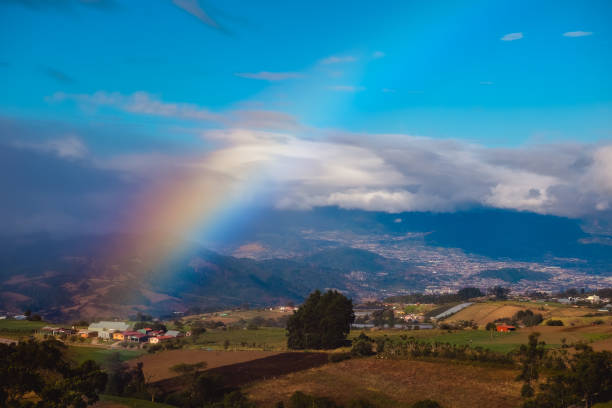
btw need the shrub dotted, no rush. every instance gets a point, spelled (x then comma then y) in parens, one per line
(236, 399)
(362, 346)
(554, 323)
(527, 318)
(410, 347)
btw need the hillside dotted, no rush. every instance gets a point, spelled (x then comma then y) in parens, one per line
(76, 278)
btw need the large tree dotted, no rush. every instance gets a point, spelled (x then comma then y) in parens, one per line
(322, 322)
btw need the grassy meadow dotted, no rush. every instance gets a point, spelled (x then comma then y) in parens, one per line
(101, 354)
(263, 338)
(14, 329)
(394, 383)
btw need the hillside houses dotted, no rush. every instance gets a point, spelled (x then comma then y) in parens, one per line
(57, 331)
(123, 332)
(106, 330)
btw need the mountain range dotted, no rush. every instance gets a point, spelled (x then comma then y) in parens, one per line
(280, 256)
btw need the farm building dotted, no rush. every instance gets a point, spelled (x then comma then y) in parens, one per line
(87, 333)
(174, 333)
(56, 331)
(159, 339)
(593, 299)
(106, 329)
(135, 337)
(505, 328)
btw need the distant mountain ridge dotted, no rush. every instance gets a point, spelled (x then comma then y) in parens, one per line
(364, 254)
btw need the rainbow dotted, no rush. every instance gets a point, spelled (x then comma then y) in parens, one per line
(182, 210)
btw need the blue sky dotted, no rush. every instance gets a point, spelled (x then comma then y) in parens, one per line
(442, 69)
(96, 82)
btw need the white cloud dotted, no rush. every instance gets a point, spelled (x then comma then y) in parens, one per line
(300, 167)
(145, 104)
(338, 59)
(577, 33)
(512, 37)
(70, 147)
(139, 102)
(378, 54)
(193, 7)
(601, 169)
(406, 173)
(269, 76)
(346, 88)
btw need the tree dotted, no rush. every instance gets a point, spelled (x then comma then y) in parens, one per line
(469, 293)
(322, 322)
(41, 370)
(118, 375)
(151, 325)
(530, 357)
(585, 379)
(500, 292)
(527, 318)
(491, 327)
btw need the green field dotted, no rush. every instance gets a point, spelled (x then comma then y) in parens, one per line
(476, 338)
(18, 328)
(132, 402)
(500, 342)
(99, 354)
(266, 338)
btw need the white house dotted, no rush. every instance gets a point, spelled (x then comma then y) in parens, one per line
(593, 299)
(106, 329)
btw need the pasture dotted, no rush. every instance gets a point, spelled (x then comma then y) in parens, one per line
(264, 338)
(158, 366)
(101, 354)
(233, 316)
(598, 336)
(14, 329)
(486, 312)
(395, 383)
